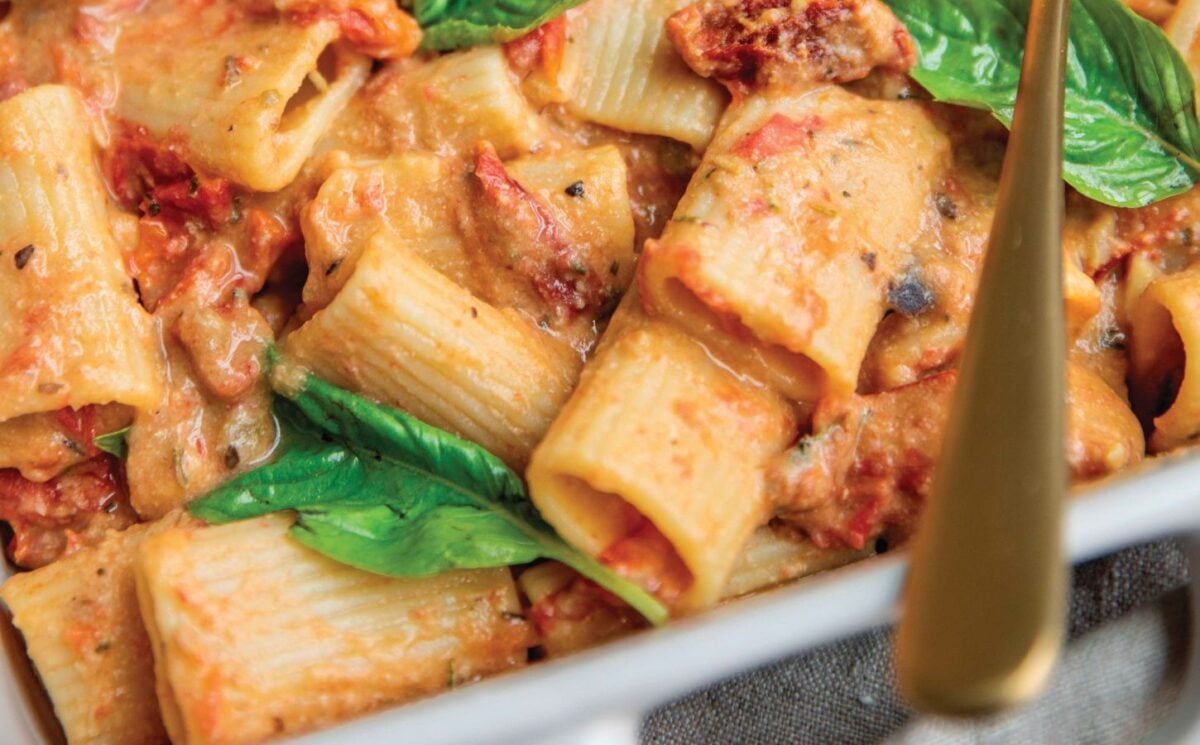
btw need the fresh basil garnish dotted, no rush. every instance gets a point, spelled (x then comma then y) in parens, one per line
(380, 490)
(455, 24)
(1132, 136)
(114, 443)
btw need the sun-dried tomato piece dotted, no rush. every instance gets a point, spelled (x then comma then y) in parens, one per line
(756, 43)
(519, 232)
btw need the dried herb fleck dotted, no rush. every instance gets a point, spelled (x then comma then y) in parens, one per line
(24, 255)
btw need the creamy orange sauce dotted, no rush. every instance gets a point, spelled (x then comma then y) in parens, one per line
(223, 268)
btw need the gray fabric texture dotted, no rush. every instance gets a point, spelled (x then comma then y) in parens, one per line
(1121, 673)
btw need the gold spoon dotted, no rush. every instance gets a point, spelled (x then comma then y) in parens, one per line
(985, 602)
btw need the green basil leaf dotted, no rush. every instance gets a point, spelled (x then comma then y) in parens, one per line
(454, 24)
(1131, 131)
(114, 443)
(381, 490)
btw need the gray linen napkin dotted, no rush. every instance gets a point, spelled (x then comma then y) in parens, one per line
(1119, 677)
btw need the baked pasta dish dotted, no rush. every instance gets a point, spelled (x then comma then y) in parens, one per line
(355, 350)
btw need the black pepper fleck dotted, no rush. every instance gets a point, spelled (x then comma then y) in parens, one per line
(333, 267)
(232, 457)
(946, 206)
(154, 208)
(73, 446)
(909, 295)
(869, 259)
(575, 189)
(24, 255)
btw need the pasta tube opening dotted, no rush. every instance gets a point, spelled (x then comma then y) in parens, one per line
(316, 83)
(624, 539)
(1165, 341)
(655, 463)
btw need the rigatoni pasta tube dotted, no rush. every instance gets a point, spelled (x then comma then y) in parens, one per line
(447, 104)
(71, 330)
(622, 71)
(256, 636)
(803, 212)
(1164, 348)
(413, 196)
(659, 431)
(249, 100)
(401, 332)
(84, 633)
(771, 558)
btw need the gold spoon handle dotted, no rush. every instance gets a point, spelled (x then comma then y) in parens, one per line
(985, 602)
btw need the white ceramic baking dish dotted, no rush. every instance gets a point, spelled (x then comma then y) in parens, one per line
(600, 696)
